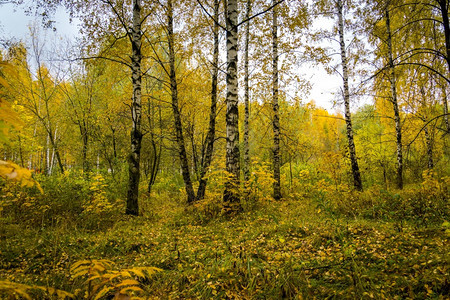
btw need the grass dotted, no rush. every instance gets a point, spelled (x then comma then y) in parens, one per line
(275, 250)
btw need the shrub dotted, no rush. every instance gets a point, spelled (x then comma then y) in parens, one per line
(86, 200)
(423, 205)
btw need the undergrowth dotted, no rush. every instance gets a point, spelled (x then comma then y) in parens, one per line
(330, 242)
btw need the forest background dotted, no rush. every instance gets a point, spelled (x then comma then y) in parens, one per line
(242, 187)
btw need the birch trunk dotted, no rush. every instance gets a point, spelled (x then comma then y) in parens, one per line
(392, 79)
(176, 113)
(348, 121)
(52, 162)
(246, 97)
(210, 137)
(276, 118)
(47, 156)
(231, 196)
(136, 134)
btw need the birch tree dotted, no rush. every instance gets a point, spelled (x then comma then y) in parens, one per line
(357, 182)
(275, 106)
(39, 94)
(335, 9)
(247, 95)
(392, 81)
(231, 195)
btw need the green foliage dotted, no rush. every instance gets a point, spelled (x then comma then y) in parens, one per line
(285, 249)
(423, 205)
(73, 197)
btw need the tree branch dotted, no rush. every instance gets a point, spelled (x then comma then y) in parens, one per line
(260, 13)
(424, 126)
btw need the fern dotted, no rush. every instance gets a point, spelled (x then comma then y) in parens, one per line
(18, 290)
(101, 281)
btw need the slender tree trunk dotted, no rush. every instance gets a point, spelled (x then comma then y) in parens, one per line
(136, 134)
(247, 97)
(20, 152)
(276, 117)
(58, 159)
(176, 113)
(445, 105)
(84, 149)
(191, 134)
(392, 79)
(444, 4)
(52, 140)
(154, 163)
(47, 156)
(113, 132)
(231, 196)
(154, 166)
(351, 144)
(52, 162)
(41, 162)
(213, 108)
(429, 143)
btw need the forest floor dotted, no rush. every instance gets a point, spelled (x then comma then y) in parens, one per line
(286, 249)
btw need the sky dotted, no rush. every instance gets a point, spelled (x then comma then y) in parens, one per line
(14, 24)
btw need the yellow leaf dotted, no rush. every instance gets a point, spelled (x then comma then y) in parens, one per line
(131, 289)
(138, 272)
(128, 282)
(103, 292)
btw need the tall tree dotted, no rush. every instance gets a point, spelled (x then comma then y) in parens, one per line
(110, 21)
(276, 118)
(176, 113)
(231, 195)
(357, 182)
(444, 6)
(135, 35)
(39, 94)
(80, 94)
(392, 80)
(247, 96)
(210, 136)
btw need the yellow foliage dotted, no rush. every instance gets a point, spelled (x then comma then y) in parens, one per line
(8, 117)
(101, 280)
(431, 186)
(11, 171)
(98, 203)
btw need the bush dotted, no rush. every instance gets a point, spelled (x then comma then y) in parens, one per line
(423, 205)
(70, 198)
